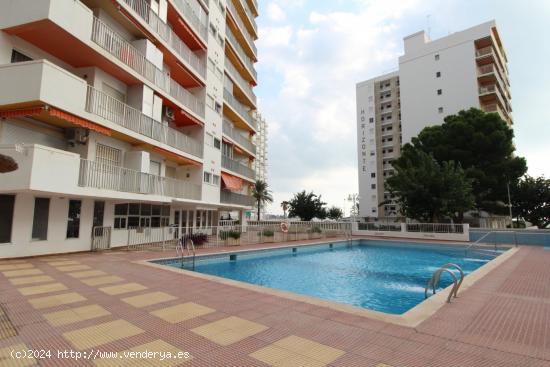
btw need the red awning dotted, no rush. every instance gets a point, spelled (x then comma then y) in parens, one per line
(232, 183)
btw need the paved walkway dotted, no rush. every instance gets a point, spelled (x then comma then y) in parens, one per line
(107, 303)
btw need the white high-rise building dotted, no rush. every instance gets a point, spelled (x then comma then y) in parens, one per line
(260, 139)
(435, 79)
(123, 113)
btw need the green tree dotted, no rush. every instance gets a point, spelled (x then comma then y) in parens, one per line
(307, 206)
(284, 206)
(427, 190)
(531, 200)
(482, 143)
(335, 213)
(262, 194)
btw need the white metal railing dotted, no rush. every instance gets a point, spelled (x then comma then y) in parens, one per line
(435, 227)
(239, 108)
(244, 57)
(386, 227)
(238, 167)
(109, 177)
(190, 15)
(228, 197)
(229, 130)
(240, 81)
(115, 111)
(243, 29)
(487, 89)
(144, 10)
(120, 48)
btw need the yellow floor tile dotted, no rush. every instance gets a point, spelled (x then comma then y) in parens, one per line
(101, 334)
(73, 268)
(50, 259)
(87, 274)
(6, 359)
(310, 349)
(40, 289)
(158, 346)
(272, 355)
(122, 289)
(102, 280)
(16, 266)
(31, 280)
(148, 299)
(22, 273)
(8, 262)
(383, 365)
(229, 330)
(63, 263)
(179, 313)
(57, 300)
(77, 314)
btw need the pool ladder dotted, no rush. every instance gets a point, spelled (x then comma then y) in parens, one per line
(434, 281)
(180, 251)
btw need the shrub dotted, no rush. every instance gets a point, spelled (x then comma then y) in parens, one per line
(224, 235)
(316, 229)
(268, 233)
(198, 239)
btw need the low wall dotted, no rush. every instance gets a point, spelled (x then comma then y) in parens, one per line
(464, 236)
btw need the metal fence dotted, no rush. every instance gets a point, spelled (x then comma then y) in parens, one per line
(435, 228)
(512, 237)
(101, 238)
(389, 227)
(165, 238)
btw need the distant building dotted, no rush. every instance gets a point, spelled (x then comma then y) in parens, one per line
(260, 139)
(435, 79)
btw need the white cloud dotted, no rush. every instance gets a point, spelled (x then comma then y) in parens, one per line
(275, 12)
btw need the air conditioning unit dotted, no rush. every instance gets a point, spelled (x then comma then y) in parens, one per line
(168, 113)
(77, 136)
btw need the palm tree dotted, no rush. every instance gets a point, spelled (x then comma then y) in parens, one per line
(285, 204)
(262, 195)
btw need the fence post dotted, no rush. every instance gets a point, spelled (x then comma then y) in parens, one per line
(403, 227)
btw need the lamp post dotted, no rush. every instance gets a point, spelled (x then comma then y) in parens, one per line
(510, 205)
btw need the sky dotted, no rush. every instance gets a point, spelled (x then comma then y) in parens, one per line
(313, 52)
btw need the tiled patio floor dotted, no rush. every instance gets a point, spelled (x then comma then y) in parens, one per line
(106, 302)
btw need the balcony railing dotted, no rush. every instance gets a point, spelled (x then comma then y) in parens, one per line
(144, 10)
(250, 17)
(117, 46)
(238, 138)
(244, 57)
(240, 81)
(109, 177)
(492, 69)
(115, 111)
(189, 14)
(243, 29)
(239, 108)
(238, 167)
(228, 197)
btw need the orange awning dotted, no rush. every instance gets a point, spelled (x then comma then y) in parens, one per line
(232, 183)
(176, 157)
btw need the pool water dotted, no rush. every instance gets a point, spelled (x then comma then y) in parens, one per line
(371, 274)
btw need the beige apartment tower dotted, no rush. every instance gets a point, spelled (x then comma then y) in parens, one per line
(435, 78)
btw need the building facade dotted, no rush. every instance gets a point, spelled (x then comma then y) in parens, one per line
(435, 79)
(260, 139)
(123, 114)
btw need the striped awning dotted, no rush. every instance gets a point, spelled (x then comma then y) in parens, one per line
(232, 183)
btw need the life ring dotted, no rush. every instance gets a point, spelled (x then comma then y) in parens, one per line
(284, 227)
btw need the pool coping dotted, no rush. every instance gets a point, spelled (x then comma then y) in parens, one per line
(411, 318)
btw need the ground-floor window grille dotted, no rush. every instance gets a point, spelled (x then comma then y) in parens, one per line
(40, 219)
(141, 215)
(73, 219)
(6, 217)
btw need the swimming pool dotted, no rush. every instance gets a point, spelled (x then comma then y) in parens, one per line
(378, 275)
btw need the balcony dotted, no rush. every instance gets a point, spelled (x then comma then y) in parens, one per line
(248, 16)
(247, 38)
(490, 72)
(238, 138)
(244, 86)
(114, 178)
(238, 168)
(121, 114)
(495, 108)
(239, 111)
(228, 197)
(190, 16)
(143, 10)
(243, 57)
(122, 50)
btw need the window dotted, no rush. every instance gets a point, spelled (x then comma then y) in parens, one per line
(154, 168)
(217, 143)
(73, 219)
(440, 109)
(121, 214)
(216, 180)
(371, 119)
(436, 57)
(218, 108)
(141, 215)
(107, 155)
(207, 177)
(17, 56)
(439, 92)
(6, 217)
(40, 219)
(438, 74)
(373, 186)
(373, 175)
(113, 92)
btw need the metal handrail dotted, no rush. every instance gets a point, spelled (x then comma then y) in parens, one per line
(190, 250)
(478, 242)
(434, 280)
(455, 266)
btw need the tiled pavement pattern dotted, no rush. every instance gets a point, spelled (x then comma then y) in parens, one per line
(109, 303)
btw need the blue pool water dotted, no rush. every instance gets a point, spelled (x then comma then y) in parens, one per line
(369, 274)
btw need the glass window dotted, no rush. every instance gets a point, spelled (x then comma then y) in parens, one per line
(40, 219)
(73, 219)
(133, 222)
(17, 56)
(133, 209)
(145, 210)
(217, 143)
(207, 176)
(121, 209)
(156, 209)
(6, 217)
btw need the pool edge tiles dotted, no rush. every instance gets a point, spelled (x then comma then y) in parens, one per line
(410, 318)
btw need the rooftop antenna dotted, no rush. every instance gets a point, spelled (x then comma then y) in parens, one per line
(428, 25)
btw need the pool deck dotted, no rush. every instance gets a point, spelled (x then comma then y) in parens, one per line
(110, 302)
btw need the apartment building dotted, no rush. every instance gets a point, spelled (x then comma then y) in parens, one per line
(260, 139)
(435, 78)
(123, 114)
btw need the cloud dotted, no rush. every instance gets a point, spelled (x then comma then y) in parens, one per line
(275, 12)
